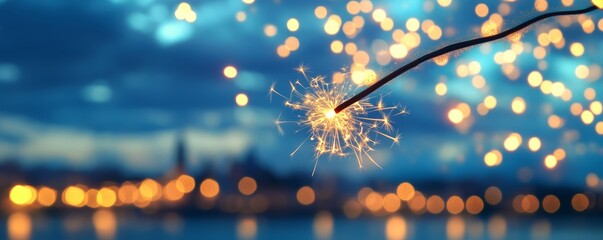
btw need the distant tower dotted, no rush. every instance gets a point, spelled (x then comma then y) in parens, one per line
(180, 167)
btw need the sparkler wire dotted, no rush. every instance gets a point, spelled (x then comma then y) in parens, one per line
(451, 48)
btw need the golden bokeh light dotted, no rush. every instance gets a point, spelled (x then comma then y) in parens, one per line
(241, 99)
(47, 196)
(493, 158)
(534, 144)
(247, 186)
(209, 188)
(396, 228)
(305, 195)
(23, 195)
(455, 205)
(292, 24)
(74, 196)
(580, 202)
(405, 191)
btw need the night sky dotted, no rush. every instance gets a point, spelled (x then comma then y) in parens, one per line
(85, 84)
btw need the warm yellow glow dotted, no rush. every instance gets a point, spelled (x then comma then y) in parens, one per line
(374, 201)
(577, 49)
(292, 43)
(171, 192)
(332, 25)
(592, 180)
(493, 158)
(241, 99)
(534, 144)
(444, 3)
(405, 191)
(22, 195)
(149, 189)
(247, 186)
(47, 196)
(587, 117)
(598, 3)
(398, 51)
(283, 51)
(559, 154)
(455, 116)
(305, 195)
(320, 12)
(582, 72)
(248, 1)
(550, 161)
(599, 128)
(106, 197)
(349, 132)
(209, 188)
(530, 204)
(596, 107)
(292, 24)
(395, 228)
(512, 142)
(441, 89)
(541, 5)
(18, 226)
(241, 16)
(247, 228)
(379, 15)
(323, 225)
(481, 10)
(535, 79)
(555, 122)
(412, 24)
(230, 72)
(518, 105)
(336, 46)
(330, 114)
(391, 203)
(490, 102)
(127, 193)
(74, 196)
(185, 183)
(270, 30)
(105, 224)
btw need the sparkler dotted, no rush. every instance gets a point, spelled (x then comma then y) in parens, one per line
(352, 131)
(455, 47)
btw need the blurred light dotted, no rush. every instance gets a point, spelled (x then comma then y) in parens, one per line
(185, 183)
(559, 154)
(455, 116)
(128, 193)
(336, 46)
(270, 30)
(47, 196)
(530, 204)
(395, 228)
(74, 196)
(550, 204)
(305, 195)
(292, 43)
(455, 228)
(19, 226)
(91, 198)
(9, 72)
(577, 49)
(247, 228)
(535, 79)
(241, 99)
(332, 25)
(320, 12)
(398, 51)
(534, 144)
(490, 102)
(493, 158)
(379, 15)
(209, 188)
(106, 197)
(149, 189)
(405, 191)
(352, 209)
(555, 122)
(417, 203)
(374, 201)
(481, 10)
(550, 161)
(248, 1)
(582, 72)
(391, 203)
(493, 195)
(230, 72)
(441, 89)
(23, 195)
(170, 33)
(580, 202)
(247, 186)
(592, 180)
(435, 204)
(455, 205)
(512, 142)
(241, 16)
(292, 24)
(105, 223)
(474, 205)
(171, 191)
(497, 227)
(323, 225)
(97, 93)
(587, 117)
(518, 105)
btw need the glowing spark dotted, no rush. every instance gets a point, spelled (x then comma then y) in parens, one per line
(352, 131)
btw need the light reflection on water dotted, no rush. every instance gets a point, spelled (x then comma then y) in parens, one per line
(108, 224)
